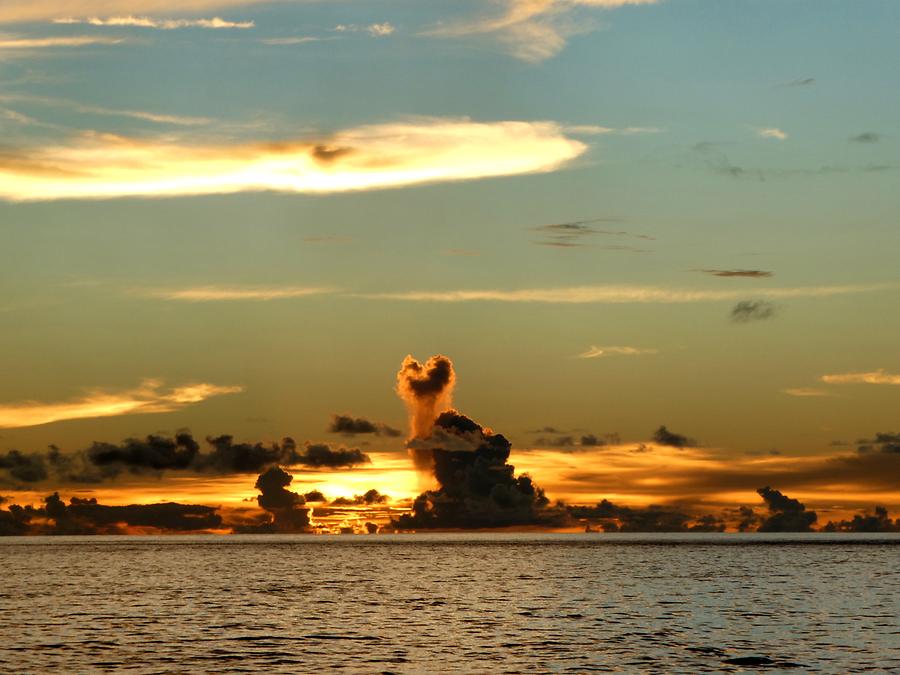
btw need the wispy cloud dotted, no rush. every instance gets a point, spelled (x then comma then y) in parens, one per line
(751, 274)
(807, 392)
(802, 82)
(158, 118)
(231, 293)
(149, 397)
(533, 30)
(772, 132)
(601, 352)
(160, 24)
(873, 377)
(413, 152)
(21, 11)
(578, 233)
(615, 294)
(594, 130)
(374, 29)
(15, 43)
(285, 41)
(753, 310)
(866, 137)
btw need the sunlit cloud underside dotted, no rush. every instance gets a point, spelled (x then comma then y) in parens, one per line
(95, 166)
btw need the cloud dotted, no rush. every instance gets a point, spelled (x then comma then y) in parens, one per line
(866, 137)
(785, 514)
(597, 130)
(873, 377)
(427, 390)
(87, 516)
(803, 82)
(21, 11)
(771, 132)
(477, 487)
(414, 152)
(298, 40)
(887, 443)
(600, 352)
(753, 310)
(375, 29)
(368, 499)
(179, 120)
(8, 43)
(285, 506)
(234, 293)
(663, 436)
(149, 397)
(806, 392)
(879, 521)
(617, 294)
(352, 426)
(578, 233)
(533, 30)
(614, 518)
(161, 24)
(751, 274)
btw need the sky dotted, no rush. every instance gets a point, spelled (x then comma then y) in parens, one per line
(237, 218)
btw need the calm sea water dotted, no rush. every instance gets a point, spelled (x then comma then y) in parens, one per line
(439, 603)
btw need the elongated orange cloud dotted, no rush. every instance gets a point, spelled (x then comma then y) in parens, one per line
(424, 150)
(874, 377)
(149, 397)
(14, 11)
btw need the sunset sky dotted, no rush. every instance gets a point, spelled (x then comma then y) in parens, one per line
(238, 217)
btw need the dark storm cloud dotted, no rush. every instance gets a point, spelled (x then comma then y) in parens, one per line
(370, 498)
(87, 516)
(866, 137)
(286, 508)
(663, 436)
(478, 488)
(883, 442)
(614, 518)
(785, 514)
(156, 454)
(751, 274)
(352, 426)
(753, 310)
(879, 521)
(314, 496)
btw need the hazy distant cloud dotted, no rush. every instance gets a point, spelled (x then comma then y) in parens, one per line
(597, 130)
(414, 152)
(13, 43)
(149, 397)
(785, 514)
(375, 29)
(888, 443)
(600, 352)
(234, 293)
(616, 294)
(352, 426)
(866, 137)
(804, 82)
(752, 274)
(807, 392)
(20, 11)
(296, 40)
(753, 310)
(771, 132)
(873, 377)
(533, 30)
(161, 24)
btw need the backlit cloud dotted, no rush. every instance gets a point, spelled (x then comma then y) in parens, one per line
(772, 132)
(413, 152)
(149, 397)
(161, 24)
(808, 392)
(533, 30)
(374, 29)
(15, 43)
(230, 293)
(873, 377)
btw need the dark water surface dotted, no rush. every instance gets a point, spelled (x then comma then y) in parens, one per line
(439, 603)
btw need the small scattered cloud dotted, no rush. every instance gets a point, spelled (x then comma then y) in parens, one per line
(772, 132)
(354, 426)
(872, 377)
(149, 397)
(601, 352)
(807, 392)
(160, 24)
(885, 443)
(751, 274)
(296, 40)
(802, 82)
(578, 233)
(374, 29)
(753, 310)
(663, 436)
(596, 130)
(866, 137)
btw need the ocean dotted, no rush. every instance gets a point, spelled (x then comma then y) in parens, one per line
(471, 603)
